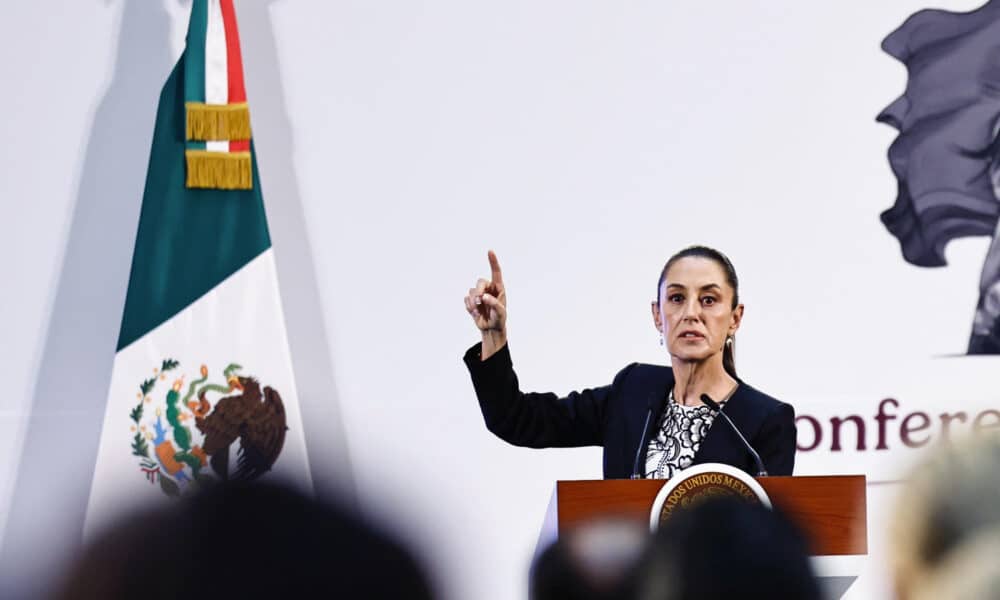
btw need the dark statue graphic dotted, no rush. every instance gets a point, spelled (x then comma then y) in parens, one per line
(946, 158)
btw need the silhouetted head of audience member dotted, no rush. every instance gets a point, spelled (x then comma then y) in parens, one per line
(970, 572)
(596, 561)
(949, 501)
(728, 548)
(245, 541)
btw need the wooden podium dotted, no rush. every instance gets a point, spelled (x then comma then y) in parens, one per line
(830, 510)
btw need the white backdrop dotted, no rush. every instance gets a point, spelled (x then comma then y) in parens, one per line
(584, 141)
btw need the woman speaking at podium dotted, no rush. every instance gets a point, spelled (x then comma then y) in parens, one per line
(652, 421)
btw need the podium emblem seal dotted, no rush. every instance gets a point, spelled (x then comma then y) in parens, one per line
(703, 482)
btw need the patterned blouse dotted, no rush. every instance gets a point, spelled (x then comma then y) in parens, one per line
(681, 432)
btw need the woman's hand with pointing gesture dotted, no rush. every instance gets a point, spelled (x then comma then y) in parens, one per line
(487, 304)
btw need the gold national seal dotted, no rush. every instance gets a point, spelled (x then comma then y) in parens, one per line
(699, 485)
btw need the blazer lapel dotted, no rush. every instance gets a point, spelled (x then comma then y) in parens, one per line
(721, 444)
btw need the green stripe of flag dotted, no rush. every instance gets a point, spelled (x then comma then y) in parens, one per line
(189, 240)
(194, 54)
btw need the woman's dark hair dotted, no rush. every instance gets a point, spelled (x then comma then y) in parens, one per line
(729, 350)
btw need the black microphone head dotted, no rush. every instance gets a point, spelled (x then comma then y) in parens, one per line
(710, 403)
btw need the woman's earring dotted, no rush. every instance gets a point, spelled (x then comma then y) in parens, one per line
(729, 340)
(661, 339)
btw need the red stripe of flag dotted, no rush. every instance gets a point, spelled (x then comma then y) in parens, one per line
(234, 60)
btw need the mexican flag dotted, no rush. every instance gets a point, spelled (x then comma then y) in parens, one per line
(202, 389)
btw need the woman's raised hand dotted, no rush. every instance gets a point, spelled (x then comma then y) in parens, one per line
(487, 305)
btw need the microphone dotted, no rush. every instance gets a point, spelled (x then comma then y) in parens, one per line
(642, 440)
(712, 404)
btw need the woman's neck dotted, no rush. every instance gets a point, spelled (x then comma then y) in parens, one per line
(694, 378)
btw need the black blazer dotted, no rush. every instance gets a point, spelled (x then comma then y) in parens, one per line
(613, 416)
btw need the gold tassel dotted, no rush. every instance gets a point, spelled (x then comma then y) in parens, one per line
(219, 170)
(217, 121)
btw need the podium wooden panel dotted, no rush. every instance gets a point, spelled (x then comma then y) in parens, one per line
(831, 510)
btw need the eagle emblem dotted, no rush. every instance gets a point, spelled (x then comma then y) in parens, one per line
(187, 439)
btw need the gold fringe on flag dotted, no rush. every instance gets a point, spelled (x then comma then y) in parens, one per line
(217, 121)
(219, 170)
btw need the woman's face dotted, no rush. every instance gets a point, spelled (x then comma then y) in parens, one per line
(695, 310)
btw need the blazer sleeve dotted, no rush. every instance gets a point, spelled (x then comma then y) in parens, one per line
(536, 420)
(776, 440)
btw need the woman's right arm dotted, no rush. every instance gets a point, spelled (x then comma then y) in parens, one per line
(536, 420)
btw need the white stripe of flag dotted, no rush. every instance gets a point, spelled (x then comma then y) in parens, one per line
(216, 67)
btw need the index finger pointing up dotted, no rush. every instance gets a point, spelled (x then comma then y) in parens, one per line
(495, 273)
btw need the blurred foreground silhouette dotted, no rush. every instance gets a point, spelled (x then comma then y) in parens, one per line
(244, 541)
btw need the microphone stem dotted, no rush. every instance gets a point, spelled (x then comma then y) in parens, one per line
(642, 439)
(717, 409)
(761, 472)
